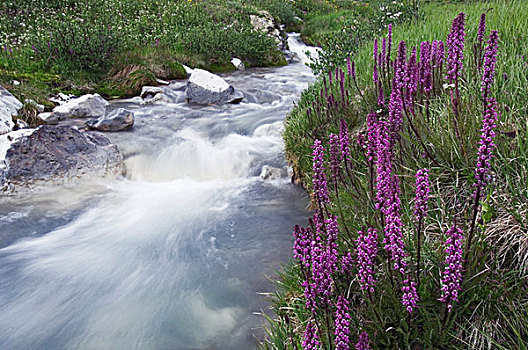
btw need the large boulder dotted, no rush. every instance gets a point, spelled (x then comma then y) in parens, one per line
(204, 87)
(265, 22)
(87, 106)
(56, 154)
(9, 107)
(117, 120)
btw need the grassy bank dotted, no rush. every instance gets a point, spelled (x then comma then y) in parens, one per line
(440, 131)
(114, 47)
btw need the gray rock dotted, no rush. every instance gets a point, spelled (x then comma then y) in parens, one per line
(58, 154)
(237, 62)
(150, 91)
(236, 97)
(291, 57)
(9, 106)
(117, 120)
(204, 87)
(270, 173)
(87, 106)
(49, 118)
(20, 124)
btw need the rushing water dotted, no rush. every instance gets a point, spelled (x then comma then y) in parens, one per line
(172, 256)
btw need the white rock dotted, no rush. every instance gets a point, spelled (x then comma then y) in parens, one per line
(150, 91)
(87, 106)
(204, 87)
(237, 62)
(188, 70)
(209, 81)
(9, 107)
(162, 82)
(271, 173)
(15, 82)
(7, 140)
(49, 118)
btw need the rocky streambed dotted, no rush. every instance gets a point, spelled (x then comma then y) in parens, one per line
(169, 254)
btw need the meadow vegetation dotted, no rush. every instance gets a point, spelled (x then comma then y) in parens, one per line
(416, 156)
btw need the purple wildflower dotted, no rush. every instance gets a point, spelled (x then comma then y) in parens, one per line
(489, 120)
(422, 193)
(344, 141)
(367, 250)
(384, 165)
(375, 71)
(389, 44)
(381, 96)
(452, 275)
(455, 47)
(320, 188)
(363, 343)
(347, 263)
(410, 295)
(342, 324)
(372, 136)
(425, 66)
(455, 56)
(490, 60)
(393, 241)
(310, 337)
(481, 28)
(335, 157)
(301, 247)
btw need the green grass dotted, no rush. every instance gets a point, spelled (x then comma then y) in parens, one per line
(83, 45)
(493, 306)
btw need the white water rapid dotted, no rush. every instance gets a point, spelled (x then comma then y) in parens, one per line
(172, 256)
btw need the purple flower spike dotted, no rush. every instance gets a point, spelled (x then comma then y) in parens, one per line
(375, 71)
(372, 136)
(490, 61)
(481, 29)
(342, 324)
(410, 295)
(455, 47)
(310, 337)
(319, 178)
(381, 96)
(344, 140)
(367, 250)
(489, 120)
(452, 275)
(389, 44)
(422, 193)
(363, 343)
(425, 66)
(335, 157)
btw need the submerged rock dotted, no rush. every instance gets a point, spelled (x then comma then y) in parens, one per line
(116, 120)
(270, 173)
(204, 87)
(87, 106)
(9, 106)
(56, 154)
